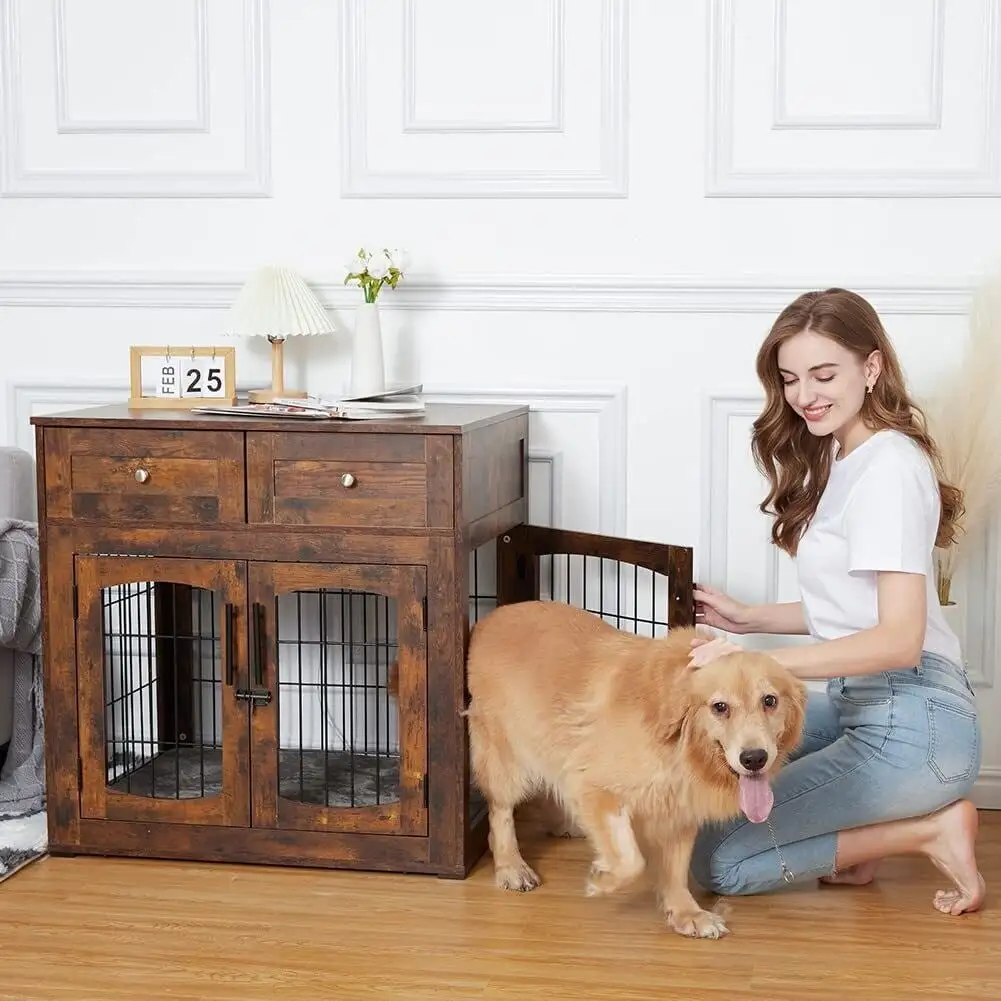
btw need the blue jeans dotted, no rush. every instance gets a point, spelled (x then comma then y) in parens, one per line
(875, 748)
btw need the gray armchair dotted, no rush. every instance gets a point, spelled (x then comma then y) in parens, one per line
(17, 500)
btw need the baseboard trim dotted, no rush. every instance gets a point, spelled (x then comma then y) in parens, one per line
(987, 791)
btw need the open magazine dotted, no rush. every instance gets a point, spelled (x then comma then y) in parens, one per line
(403, 402)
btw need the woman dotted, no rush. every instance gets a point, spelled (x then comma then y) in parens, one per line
(893, 748)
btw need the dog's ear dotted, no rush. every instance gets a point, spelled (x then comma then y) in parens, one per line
(793, 696)
(680, 701)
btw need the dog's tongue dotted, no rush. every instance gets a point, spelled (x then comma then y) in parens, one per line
(756, 797)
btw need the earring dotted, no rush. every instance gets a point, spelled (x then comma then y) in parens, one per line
(868, 387)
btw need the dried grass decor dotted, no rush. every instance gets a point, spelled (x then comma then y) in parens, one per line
(964, 417)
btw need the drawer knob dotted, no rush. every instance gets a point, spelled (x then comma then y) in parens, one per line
(348, 480)
(142, 475)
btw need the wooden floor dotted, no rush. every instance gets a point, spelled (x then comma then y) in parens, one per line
(110, 930)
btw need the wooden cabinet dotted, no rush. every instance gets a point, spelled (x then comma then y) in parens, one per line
(255, 631)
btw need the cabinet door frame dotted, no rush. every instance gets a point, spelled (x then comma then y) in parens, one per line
(408, 586)
(231, 807)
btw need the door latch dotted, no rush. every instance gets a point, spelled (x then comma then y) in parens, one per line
(256, 696)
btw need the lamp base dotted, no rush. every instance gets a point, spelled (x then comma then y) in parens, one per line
(277, 390)
(270, 395)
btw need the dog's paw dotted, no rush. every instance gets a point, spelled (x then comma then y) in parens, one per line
(601, 881)
(517, 877)
(697, 924)
(598, 882)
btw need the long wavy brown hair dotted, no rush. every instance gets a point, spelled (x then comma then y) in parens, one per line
(798, 463)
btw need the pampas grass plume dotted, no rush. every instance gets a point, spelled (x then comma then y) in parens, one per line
(964, 418)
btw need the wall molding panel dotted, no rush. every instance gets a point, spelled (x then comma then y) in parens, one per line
(115, 178)
(199, 122)
(606, 179)
(907, 171)
(716, 474)
(552, 462)
(930, 118)
(535, 293)
(413, 123)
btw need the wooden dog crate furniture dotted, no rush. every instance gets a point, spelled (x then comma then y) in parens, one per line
(226, 601)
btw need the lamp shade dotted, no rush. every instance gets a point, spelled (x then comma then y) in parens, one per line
(276, 302)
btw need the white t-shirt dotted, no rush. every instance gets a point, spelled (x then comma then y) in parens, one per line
(879, 511)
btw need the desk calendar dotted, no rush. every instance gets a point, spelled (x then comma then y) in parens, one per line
(182, 377)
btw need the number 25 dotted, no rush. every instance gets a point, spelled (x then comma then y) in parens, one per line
(213, 380)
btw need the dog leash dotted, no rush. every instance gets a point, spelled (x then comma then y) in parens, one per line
(787, 874)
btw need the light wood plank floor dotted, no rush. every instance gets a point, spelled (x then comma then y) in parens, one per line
(118, 930)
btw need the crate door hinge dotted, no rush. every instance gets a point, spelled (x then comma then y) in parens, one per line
(424, 785)
(79, 772)
(76, 602)
(424, 612)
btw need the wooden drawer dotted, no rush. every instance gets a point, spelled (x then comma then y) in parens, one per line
(350, 480)
(179, 477)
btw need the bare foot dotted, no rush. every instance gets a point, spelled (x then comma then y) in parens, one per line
(951, 847)
(856, 875)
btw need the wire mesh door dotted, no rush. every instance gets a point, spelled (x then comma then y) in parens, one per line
(340, 744)
(637, 586)
(160, 648)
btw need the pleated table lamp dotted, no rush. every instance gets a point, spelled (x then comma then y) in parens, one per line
(276, 303)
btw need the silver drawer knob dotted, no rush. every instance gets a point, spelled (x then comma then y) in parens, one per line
(348, 480)
(142, 475)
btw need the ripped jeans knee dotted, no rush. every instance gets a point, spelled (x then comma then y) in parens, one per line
(717, 874)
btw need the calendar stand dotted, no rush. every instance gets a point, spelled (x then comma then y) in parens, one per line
(186, 377)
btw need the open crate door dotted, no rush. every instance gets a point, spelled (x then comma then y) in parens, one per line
(639, 586)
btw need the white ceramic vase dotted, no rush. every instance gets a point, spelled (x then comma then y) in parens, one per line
(368, 373)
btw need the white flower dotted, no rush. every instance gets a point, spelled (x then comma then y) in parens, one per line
(400, 259)
(379, 265)
(357, 264)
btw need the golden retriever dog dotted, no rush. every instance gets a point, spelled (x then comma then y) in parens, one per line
(627, 738)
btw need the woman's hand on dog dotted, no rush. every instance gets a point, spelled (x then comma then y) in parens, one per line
(720, 611)
(707, 648)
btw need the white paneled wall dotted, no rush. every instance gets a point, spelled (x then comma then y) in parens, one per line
(171, 101)
(467, 126)
(606, 202)
(917, 115)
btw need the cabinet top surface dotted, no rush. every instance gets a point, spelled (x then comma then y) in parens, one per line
(438, 418)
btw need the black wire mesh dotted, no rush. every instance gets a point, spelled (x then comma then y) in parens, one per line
(338, 721)
(630, 597)
(163, 690)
